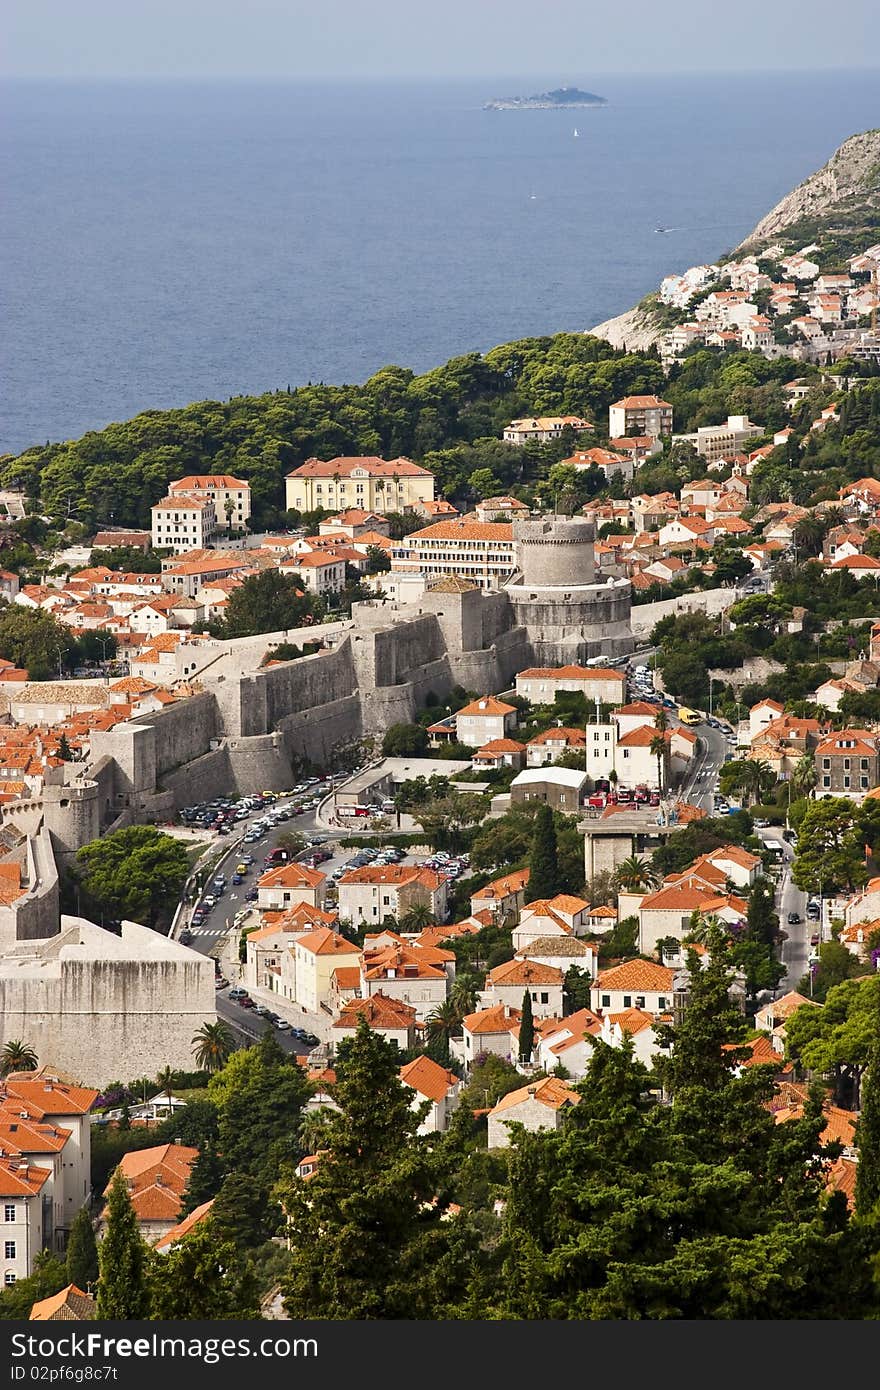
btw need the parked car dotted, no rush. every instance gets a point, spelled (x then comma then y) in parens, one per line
(238, 993)
(220, 982)
(282, 1025)
(793, 918)
(309, 1039)
(237, 878)
(185, 938)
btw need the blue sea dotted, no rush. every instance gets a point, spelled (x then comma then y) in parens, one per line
(165, 242)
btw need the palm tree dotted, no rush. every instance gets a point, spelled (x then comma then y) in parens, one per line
(417, 918)
(17, 1056)
(661, 720)
(212, 1046)
(444, 1021)
(658, 749)
(464, 994)
(635, 874)
(165, 1081)
(756, 778)
(803, 778)
(809, 534)
(704, 926)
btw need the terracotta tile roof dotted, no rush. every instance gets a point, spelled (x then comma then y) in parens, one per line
(632, 1021)
(637, 707)
(495, 1020)
(184, 1227)
(427, 1077)
(524, 972)
(576, 737)
(503, 887)
(19, 1179)
(501, 745)
(203, 481)
(379, 1011)
(373, 467)
(487, 704)
(678, 897)
(395, 875)
(551, 1091)
(29, 1136)
(563, 947)
(460, 529)
(580, 673)
(347, 976)
(292, 876)
(638, 976)
(641, 403)
(325, 942)
(46, 1097)
(71, 1304)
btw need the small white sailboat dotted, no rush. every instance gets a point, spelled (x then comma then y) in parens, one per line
(575, 132)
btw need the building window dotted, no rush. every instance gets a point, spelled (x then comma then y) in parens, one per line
(9, 1278)
(627, 1001)
(606, 1001)
(826, 781)
(545, 998)
(640, 1001)
(10, 1249)
(661, 1002)
(9, 1212)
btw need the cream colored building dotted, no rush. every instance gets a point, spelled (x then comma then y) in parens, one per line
(543, 428)
(231, 496)
(368, 896)
(433, 1083)
(370, 484)
(315, 957)
(291, 884)
(183, 523)
(479, 551)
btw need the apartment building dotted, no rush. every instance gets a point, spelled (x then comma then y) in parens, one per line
(542, 429)
(481, 552)
(183, 522)
(372, 894)
(639, 415)
(231, 496)
(367, 483)
(848, 763)
(713, 442)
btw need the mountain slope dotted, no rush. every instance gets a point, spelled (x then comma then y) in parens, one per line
(844, 195)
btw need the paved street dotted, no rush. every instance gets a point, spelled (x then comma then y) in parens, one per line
(789, 898)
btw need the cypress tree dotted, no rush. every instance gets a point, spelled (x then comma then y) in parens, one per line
(526, 1029)
(868, 1129)
(82, 1252)
(543, 865)
(122, 1286)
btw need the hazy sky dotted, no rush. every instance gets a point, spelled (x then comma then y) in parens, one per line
(571, 39)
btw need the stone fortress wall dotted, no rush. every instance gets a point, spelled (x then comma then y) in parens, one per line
(251, 724)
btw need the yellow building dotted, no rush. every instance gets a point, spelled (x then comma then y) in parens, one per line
(372, 484)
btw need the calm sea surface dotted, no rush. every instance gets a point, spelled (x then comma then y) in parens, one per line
(160, 243)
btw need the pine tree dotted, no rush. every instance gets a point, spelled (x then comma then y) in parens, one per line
(526, 1030)
(361, 1228)
(122, 1287)
(205, 1178)
(82, 1252)
(543, 865)
(868, 1129)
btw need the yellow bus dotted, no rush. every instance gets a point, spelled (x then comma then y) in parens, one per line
(689, 716)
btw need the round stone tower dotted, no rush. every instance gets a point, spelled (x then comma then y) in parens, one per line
(72, 814)
(570, 616)
(555, 550)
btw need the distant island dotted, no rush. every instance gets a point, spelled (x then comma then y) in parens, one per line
(560, 98)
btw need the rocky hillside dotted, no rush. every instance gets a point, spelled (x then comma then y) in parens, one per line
(844, 195)
(841, 199)
(634, 330)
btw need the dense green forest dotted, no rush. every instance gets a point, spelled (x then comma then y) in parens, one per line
(450, 419)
